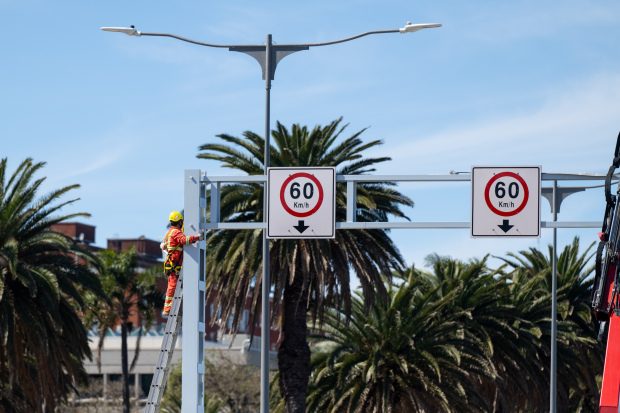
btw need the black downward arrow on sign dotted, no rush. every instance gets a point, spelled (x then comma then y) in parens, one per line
(300, 227)
(505, 226)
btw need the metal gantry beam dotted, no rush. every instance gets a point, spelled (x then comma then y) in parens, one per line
(411, 178)
(352, 181)
(403, 225)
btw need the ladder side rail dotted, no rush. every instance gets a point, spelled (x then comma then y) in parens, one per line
(175, 336)
(160, 377)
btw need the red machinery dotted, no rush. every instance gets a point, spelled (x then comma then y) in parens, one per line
(606, 293)
(610, 387)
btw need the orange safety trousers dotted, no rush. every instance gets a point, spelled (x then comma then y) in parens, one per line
(173, 279)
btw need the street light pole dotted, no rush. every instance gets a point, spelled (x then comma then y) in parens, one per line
(554, 307)
(268, 56)
(556, 195)
(266, 284)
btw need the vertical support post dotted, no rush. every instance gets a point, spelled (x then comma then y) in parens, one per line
(266, 284)
(351, 201)
(193, 300)
(105, 388)
(136, 389)
(215, 202)
(554, 308)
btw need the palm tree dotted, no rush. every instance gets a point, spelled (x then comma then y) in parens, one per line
(131, 292)
(501, 316)
(43, 340)
(408, 354)
(306, 274)
(508, 315)
(580, 356)
(491, 320)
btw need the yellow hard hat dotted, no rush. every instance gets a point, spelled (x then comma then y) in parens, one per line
(175, 216)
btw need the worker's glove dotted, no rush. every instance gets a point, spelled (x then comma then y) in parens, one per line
(201, 236)
(162, 245)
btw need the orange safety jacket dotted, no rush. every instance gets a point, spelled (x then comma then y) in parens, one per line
(173, 244)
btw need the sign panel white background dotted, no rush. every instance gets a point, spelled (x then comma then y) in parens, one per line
(301, 202)
(505, 201)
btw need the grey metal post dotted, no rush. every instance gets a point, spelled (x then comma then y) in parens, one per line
(105, 388)
(554, 307)
(264, 342)
(193, 300)
(351, 201)
(136, 389)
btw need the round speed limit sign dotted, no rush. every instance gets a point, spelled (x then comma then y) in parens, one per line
(505, 201)
(301, 202)
(301, 194)
(506, 194)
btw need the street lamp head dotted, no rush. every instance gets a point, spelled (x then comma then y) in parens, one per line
(130, 31)
(411, 28)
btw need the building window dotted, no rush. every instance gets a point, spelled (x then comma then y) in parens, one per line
(211, 310)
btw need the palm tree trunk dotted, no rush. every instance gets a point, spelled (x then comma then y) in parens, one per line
(124, 363)
(294, 352)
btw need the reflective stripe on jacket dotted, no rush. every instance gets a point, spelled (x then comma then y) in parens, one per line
(175, 240)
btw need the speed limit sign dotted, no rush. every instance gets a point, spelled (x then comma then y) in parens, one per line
(505, 201)
(301, 202)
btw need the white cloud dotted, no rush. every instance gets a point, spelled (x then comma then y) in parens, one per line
(93, 153)
(90, 165)
(574, 130)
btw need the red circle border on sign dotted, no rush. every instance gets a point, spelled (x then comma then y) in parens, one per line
(526, 194)
(318, 204)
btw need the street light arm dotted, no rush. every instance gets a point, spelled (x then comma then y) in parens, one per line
(292, 44)
(189, 40)
(409, 28)
(342, 40)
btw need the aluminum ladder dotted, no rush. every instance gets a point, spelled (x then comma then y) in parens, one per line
(158, 385)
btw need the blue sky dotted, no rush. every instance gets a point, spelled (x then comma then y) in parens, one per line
(525, 82)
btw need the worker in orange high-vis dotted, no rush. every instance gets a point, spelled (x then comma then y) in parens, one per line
(173, 244)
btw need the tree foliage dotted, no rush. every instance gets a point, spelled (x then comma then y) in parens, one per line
(580, 356)
(463, 337)
(234, 388)
(305, 274)
(326, 266)
(406, 354)
(130, 292)
(42, 340)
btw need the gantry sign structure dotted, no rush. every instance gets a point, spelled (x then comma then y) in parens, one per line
(195, 202)
(302, 194)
